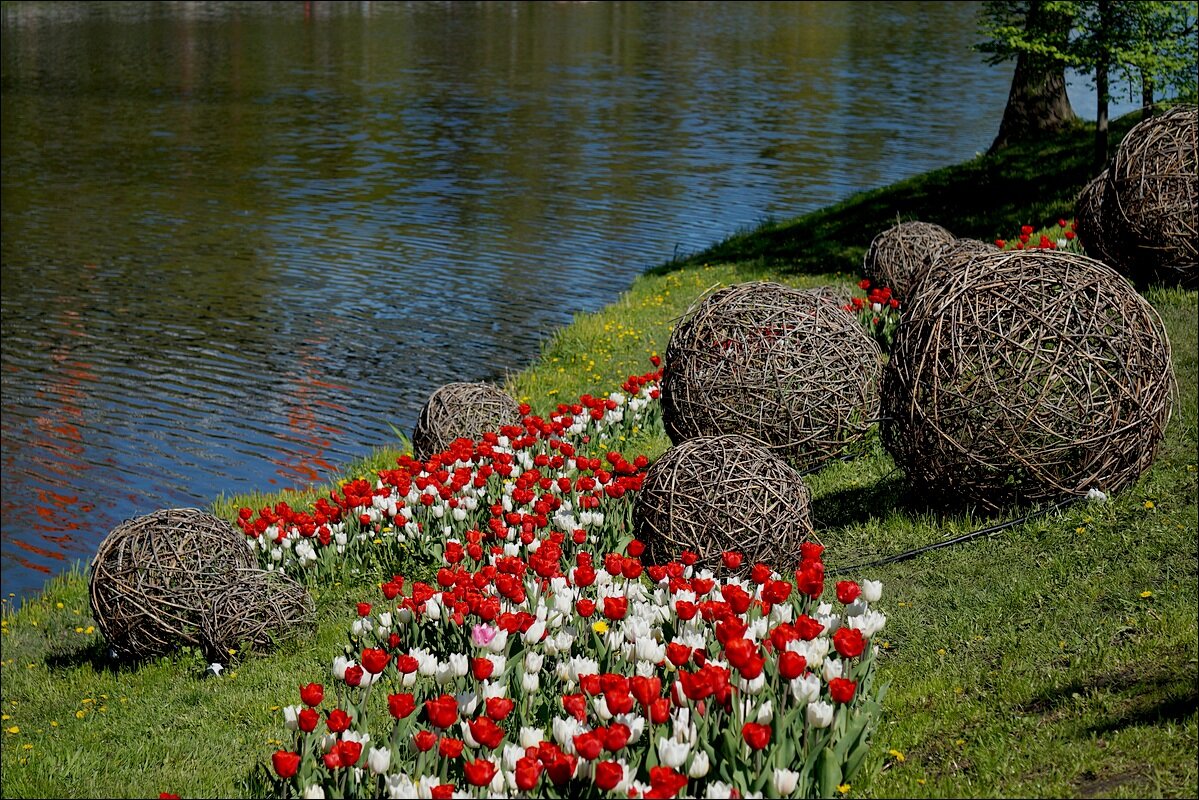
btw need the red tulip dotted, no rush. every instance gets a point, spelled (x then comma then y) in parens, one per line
(528, 772)
(841, 690)
(338, 720)
(849, 642)
(442, 712)
(479, 772)
(486, 732)
(450, 748)
(792, 664)
(308, 720)
(755, 735)
(847, 591)
(286, 764)
(312, 694)
(608, 774)
(424, 740)
(401, 705)
(374, 660)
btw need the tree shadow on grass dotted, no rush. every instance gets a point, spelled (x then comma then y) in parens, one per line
(1146, 692)
(95, 654)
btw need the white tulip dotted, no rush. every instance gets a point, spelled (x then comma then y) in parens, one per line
(314, 792)
(673, 753)
(699, 765)
(531, 737)
(820, 714)
(765, 713)
(459, 664)
(833, 669)
(291, 716)
(530, 682)
(379, 759)
(785, 781)
(340, 663)
(400, 786)
(872, 591)
(533, 661)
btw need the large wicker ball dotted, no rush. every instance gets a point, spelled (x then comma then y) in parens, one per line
(779, 364)
(840, 296)
(258, 610)
(1155, 191)
(898, 254)
(153, 576)
(719, 493)
(1027, 376)
(461, 410)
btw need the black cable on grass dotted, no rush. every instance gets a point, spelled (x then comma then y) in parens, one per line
(904, 556)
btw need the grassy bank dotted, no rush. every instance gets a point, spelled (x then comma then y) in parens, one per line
(1056, 658)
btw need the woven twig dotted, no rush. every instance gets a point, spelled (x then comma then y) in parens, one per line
(256, 610)
(1154, 193)
(719, 493)
(839, 296)
(1100, 237)
(153, 576)
(947, 256)
(898, 255)
(461, 410)
(779, 364)
(1028, 375)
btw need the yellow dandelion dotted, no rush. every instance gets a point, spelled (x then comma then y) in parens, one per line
(80, 714)
(843, 788)
(14, 729)
(898, 756)
(59, 605)
(53, 723)
(79, 629)
(87, 700)
(90, 630)
(4, 717)
(960, 742)
(1080, 529)
(27, 747)
(599, 626)
(940, 651)
(920, 781)
(1149, 505)
(1146, 594)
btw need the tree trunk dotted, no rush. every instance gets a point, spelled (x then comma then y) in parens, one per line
(1101, 92)
(1037, 103)
(1146, 96)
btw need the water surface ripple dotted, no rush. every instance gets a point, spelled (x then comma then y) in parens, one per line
(239, 239)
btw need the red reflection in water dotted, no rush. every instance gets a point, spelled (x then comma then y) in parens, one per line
(308, 465)
(55, 448)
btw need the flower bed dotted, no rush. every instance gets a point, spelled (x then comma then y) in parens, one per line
(546, 659)
(558, 672)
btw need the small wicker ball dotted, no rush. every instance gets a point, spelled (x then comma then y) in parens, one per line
(153, 576)
(1027, 376)
(257, 609)
(1154, 192)
(719, 493)
(779, 364)
(947, 256)
(898, 254)
(461, 410)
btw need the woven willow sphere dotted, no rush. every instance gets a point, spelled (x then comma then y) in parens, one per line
(1027, 376)
(898, 254)
(1154, 192)
(779, 364)
(839, 296)
(461, 410)
(153, 576)
(258, 610)
(719, 493)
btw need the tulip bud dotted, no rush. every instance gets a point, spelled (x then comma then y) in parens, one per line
(872, 591)
(699, 765)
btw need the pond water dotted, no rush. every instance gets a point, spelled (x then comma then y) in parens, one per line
(240, 239)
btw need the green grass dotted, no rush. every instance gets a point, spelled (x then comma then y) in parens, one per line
(1029, 663)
